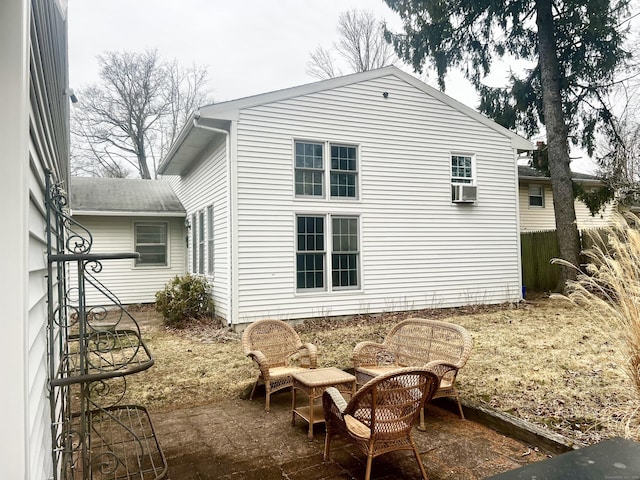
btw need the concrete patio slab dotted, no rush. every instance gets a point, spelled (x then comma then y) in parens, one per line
(237, 439)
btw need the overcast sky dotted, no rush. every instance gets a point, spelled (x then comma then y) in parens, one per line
(249, 46)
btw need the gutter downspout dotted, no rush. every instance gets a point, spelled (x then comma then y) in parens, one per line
(227, 135)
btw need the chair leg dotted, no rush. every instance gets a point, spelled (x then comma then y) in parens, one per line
(460, 407)
(253, 390)
(422, 427)
(418, 459)
(367, 475)
(267, 406)
(327, 445)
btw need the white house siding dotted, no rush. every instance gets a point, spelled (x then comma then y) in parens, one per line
(131, 284)
(33, 137)
(204, 185)
(543, 218)
(417, 248)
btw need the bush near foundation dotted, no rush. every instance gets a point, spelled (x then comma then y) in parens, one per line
(184, 299)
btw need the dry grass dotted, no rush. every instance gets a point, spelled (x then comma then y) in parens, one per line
(543, 360)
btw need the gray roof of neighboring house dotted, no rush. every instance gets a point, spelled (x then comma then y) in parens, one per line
(122, 196)
(525, 171)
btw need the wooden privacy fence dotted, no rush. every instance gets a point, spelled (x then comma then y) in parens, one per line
(537, 250)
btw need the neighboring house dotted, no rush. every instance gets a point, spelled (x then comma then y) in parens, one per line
(536, 202)
(34, 138)
(132, 215)
(350, 195)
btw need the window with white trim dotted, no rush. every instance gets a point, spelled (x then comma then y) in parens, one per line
(344, 252)
(194, 257)
(210, 239)
(310, 252)
(201, 241)
(151, 243)
(462, 169)
(536, 196)
(315, 162)
(312, 238)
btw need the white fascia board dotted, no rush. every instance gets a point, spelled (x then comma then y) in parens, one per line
(119, 213)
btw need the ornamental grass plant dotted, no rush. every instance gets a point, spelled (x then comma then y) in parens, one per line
(608, 288)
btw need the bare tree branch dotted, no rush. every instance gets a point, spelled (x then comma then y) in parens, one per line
(140, 101)
(361, 44)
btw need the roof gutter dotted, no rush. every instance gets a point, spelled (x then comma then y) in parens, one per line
(178, 143)
(230, 283)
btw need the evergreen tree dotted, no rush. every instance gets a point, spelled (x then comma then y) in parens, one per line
(575, 47)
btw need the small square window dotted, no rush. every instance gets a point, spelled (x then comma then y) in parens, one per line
(536, 196)
(151, 243)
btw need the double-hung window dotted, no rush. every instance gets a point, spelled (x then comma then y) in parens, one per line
(311, 252)
(344, 255)
(310, 256)
(309, 169)
(151, 244)
(462, 169)
(201, 241)
(315, 162)
(344, 168)
(536, 196)
(210, 239)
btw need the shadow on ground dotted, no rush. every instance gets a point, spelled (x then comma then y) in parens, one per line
(237, 439)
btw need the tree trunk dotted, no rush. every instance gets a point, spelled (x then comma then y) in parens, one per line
(558, 144)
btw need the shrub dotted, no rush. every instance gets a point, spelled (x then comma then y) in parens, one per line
(184, 299)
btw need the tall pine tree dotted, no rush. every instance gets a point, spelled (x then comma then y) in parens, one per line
(575, 47)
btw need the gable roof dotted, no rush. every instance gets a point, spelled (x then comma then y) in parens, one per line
(527, 172)
(216, 119)
(123, 196)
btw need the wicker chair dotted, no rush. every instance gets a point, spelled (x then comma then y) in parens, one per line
(417, 342)
(379, 417)
(278, 351)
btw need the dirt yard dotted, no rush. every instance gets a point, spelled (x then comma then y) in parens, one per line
(542, 360)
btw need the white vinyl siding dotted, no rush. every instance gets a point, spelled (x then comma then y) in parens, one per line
(132, 283)
(33, 139)
(534, 218)
(417, 249)
(206, 184)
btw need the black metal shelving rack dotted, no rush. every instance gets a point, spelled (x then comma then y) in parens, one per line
(92, 349)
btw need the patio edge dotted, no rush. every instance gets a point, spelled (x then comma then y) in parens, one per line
(514, 427)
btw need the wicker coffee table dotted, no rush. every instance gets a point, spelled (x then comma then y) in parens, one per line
(313, 382)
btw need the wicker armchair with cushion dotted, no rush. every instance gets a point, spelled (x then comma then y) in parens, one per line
(417, 342)
(278, 351)
(379, 417)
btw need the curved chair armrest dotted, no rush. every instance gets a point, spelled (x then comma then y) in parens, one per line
(333, 403)
(366, 353)
(311, 353)
(261, 360)
(441, 368)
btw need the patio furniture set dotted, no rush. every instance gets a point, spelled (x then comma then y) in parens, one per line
(376, 408)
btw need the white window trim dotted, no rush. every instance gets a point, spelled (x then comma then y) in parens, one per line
(542, 195)
(473, 168)
(328, 252)
(326, 167)
(210, 240)
(143, 266)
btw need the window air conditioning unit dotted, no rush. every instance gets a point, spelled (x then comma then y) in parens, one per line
(462, 193)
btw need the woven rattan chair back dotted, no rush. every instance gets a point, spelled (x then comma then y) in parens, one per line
(416, 341)
(276, 339)
(278, 351)
(380, 416)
